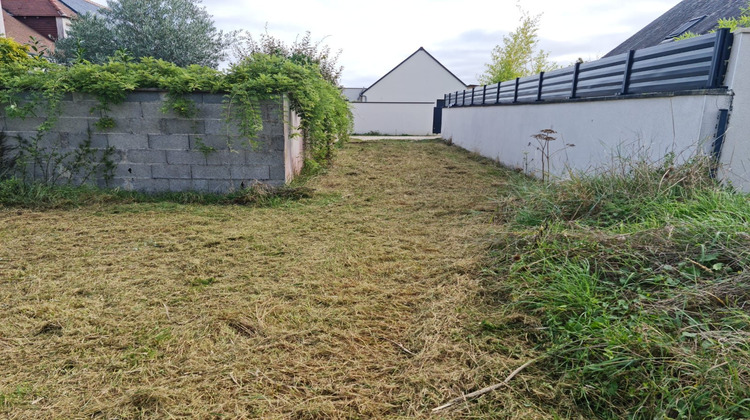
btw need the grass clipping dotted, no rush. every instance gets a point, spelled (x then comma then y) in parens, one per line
(349, 303)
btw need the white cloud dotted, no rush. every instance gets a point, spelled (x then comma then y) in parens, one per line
(376, 36)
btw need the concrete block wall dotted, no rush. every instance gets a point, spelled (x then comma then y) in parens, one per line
(156, 151)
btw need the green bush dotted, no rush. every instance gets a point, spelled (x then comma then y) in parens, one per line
(12, 52)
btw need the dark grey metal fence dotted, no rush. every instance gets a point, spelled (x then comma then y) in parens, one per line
(696, 63)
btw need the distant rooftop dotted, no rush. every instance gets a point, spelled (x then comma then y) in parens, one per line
(84, 6)
(696, 16)
(38, 8)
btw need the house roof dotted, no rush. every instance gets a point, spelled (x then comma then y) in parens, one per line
(352, 94)
(82, 7)
(21, 33)
(37, 8)
(696, 16)
(407, 59)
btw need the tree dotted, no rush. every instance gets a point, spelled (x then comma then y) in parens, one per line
(303, 51)
(518, 55)
(178, 31)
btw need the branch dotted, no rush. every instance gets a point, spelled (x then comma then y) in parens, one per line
(477, 394)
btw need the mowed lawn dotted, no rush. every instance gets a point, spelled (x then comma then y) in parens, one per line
(351, 304)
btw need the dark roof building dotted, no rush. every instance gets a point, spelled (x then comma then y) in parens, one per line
(82, 7)
(48, 18)
(44, 20)
(696, 16)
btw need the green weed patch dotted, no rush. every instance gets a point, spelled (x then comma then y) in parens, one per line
(638, 284)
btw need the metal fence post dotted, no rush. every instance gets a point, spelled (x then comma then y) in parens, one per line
(463, 101)
(515, 93)
(626, 75)
(718, 62)
(539, 88)
(484, 94)
(574, 88)
(497, 95)
(472, 96)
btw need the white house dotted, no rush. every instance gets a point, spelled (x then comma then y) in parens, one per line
(402, 101)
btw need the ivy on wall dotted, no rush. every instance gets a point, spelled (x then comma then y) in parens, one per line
(32, 86)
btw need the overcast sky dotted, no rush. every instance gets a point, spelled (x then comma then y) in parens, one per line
(375, 36)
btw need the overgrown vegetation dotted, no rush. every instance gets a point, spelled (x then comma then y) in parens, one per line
(631, 286)
(35, 87)
(41, 196)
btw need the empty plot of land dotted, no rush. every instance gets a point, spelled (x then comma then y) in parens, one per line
(350, 304)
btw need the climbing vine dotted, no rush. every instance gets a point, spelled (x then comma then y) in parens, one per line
(36, 87)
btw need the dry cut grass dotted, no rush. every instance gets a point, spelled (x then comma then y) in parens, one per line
(349, 304)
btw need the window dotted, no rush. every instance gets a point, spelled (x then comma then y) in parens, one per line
(684, 27)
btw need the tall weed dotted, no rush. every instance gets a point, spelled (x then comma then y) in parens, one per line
(638, 278)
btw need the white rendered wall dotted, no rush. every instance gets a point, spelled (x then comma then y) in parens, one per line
(392, 118)
(418, 79)
(599, 130)
(735, 156)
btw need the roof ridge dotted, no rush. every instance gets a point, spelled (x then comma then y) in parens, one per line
(407, 59)
(57, 7)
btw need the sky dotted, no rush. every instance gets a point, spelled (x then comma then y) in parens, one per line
(375, 36)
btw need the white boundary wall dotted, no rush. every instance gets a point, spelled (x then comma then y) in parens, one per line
(647, 126)
(393, 118)
(735, 156)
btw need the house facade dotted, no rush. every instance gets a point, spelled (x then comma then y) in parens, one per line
(44, 20)
(402, 101)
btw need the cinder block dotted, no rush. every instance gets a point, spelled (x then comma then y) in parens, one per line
(149, 125)
(223, 186)
(169, 142)
(179, 185)
(151, 185)
(197, 98)
(171, 171)
(181, 126)
(128, 141)
(278, 142)
(125, 110)
(121, 126)
(277, 172)
(247, 172)
(99, 141)
(211, 172)
(74, 125)
(200, 185)
(211, 111)
(271, 111)
(133, 170)
(226, 157)
(221, 126)
(26, 124)
(265, 158)
(187, 157)
(211, 141)
(146, 156)
(81, 109)
(214, 98)
(143, 96)
(156, 110)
